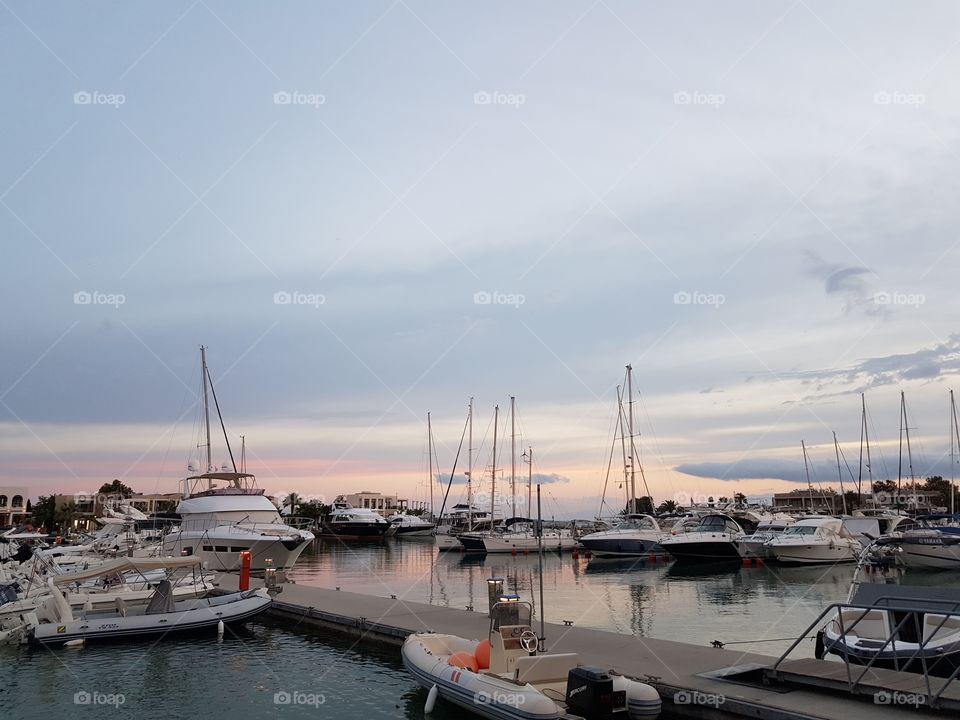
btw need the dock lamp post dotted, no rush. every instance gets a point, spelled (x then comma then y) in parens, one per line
(494, 591)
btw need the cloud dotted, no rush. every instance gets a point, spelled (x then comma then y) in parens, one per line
(541, 478)
(747, 469)
(845, 281)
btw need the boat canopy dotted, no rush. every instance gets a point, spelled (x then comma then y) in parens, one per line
(125, 564)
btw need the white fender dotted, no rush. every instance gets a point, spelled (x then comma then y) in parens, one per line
(431, 700)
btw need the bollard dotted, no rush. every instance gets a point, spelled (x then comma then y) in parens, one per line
(244, 571)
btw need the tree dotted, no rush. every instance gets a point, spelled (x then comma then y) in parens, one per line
(293, 500)
(315, 510)
(66, 513)
(116, 488)
(852, 500)
(666, 507)
(740, 498)
(44, 512)
(941, 488)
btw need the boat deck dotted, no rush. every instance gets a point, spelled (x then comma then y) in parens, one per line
(694, 681)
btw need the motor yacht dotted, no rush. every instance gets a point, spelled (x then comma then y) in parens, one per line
(815, 540)
(715, 537)
(634, 535)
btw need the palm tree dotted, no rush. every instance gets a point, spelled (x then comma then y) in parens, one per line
(66, 513)
(293, 500)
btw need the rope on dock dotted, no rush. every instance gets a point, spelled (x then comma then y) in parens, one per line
(718, 644)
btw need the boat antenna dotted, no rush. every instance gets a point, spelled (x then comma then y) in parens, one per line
(453, 471)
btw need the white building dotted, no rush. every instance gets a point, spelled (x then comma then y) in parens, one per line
(386, 505)
(13, 505)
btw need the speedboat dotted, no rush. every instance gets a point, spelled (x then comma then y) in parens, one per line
(815, 540)
(898, 627)
(714, 538)
(635, 535)
(754, 545)
(504, 676)
(929, 548)
(350, 523)
(404, 525)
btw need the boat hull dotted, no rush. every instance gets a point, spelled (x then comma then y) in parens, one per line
(931, 556)
(222, 554)
(189, 616)
(703, 550)
(353, 531)
(812, 554)
(622, 547)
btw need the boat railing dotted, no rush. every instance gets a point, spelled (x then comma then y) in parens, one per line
(903, 604)
(243, 526)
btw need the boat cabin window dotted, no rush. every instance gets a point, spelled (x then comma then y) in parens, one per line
(717, 523)
(237, 549)
(208, 548)
(222, 548)
(801, 530)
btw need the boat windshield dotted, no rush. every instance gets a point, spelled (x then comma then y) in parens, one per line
(637, 522)
(717, 523)
(510, 613)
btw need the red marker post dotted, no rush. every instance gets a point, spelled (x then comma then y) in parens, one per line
(245, 570)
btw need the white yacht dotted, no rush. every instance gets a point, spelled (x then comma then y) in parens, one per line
(715, 538)
(350, 523)
(815, 540)
(224, 514)
(634, 535)
(403, 525)
(755, 544)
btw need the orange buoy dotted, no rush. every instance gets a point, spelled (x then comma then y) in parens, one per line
(463, 660)
(482, 654)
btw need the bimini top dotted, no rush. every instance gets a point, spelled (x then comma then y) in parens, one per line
(125, 564)
(238, 484)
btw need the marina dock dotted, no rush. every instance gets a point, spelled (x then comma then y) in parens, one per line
(693, 681)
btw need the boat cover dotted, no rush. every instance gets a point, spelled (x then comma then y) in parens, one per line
(907, 597)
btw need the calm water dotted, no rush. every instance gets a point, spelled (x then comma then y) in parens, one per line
(661, 600)
(328, 677)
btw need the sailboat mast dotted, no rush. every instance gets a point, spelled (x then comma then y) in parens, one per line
(513, 457)
(866, 437)
(530, 479)
(430, 460)
(906, 429)
(243, 453)
(954, 435)
(623, 446)
(493, 475)
(806, 468)
(900, 454)
(470, 468)
(206, 405)
(633, 460)
(843, 495)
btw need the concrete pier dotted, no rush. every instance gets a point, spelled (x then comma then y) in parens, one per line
(693, 681)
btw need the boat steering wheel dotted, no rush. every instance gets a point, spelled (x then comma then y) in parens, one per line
(529, 641)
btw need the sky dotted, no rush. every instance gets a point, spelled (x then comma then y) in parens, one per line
(372, 211)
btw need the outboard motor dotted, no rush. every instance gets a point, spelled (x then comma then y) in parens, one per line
(590, 694)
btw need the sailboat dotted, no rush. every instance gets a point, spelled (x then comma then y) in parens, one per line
(636, 534)
(224, 513)
(516, 533)
(406, 525)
